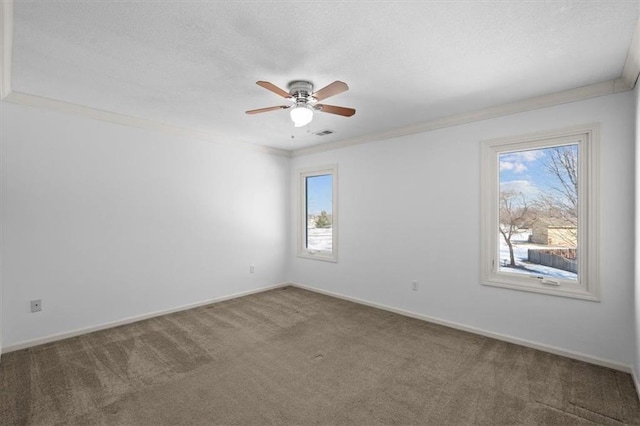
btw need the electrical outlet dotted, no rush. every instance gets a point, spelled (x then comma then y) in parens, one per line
(414, 285)
(36, 305)
(252, 269)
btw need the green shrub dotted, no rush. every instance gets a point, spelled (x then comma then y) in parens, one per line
(323, 221)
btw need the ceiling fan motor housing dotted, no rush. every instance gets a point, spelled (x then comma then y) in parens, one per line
(300, 89)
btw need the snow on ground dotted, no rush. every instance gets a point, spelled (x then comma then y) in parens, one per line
(521, 243)
(319, 239)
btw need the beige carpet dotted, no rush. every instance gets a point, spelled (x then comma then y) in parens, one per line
(290, 356)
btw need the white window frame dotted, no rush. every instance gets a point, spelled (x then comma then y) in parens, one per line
(303, 174)
(587, 286)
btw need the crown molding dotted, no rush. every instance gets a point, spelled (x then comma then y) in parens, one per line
(7, 95)
(125, 120)
(631, 68)
(6, 44)
(627, 81)
(544, 101)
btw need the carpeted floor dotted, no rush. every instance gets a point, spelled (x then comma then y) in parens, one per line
(290, 356)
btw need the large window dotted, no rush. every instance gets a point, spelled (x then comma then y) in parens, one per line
(318, 227)
(539, 213)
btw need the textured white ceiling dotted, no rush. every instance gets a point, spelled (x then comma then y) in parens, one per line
(195, 64)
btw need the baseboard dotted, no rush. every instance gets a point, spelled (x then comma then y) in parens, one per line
(522, 342)
(65, 335)
(635, 382)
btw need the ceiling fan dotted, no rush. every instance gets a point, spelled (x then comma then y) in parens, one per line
(304, 100)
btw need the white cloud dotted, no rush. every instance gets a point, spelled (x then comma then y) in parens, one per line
(523, 156)
(516, 161)
(505, 165)
(527, 188)
(513, 166)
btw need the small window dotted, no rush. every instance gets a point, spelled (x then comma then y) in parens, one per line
(539, 213)
(318, 214)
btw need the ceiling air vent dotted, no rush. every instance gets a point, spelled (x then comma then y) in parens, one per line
(324, 132)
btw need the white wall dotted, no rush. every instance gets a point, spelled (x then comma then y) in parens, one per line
(409, 210)
(636, 363)
(104, 222)
(2, 126)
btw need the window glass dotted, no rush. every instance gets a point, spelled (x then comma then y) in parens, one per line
(538, 212)
(318, 217)
(319, 208)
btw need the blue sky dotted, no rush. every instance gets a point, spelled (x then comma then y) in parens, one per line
(319, 195)
(525, 171)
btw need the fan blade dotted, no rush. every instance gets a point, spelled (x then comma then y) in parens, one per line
(332, 109)
(273, 108)
(272, 87)
(331, 90)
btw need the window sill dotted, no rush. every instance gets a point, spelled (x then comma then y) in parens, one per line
(535, 287)
(323, 256)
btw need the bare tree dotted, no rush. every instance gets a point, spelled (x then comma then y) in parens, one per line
(562, 202)
(516, 213)
(563, 165)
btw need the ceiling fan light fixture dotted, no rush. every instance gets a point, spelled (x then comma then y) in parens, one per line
(304, 100)
(301, 115)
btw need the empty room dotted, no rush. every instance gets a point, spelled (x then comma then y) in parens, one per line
(331, 213)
